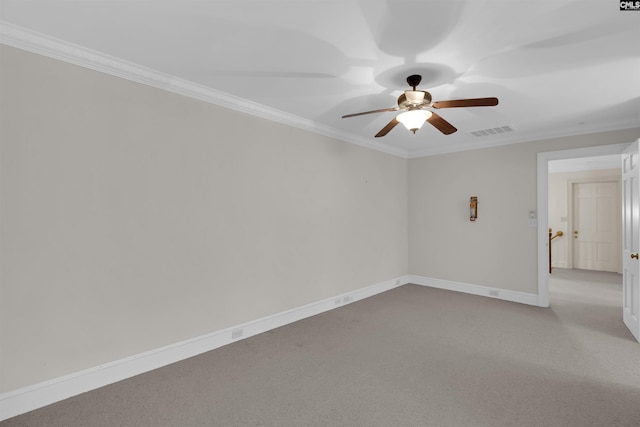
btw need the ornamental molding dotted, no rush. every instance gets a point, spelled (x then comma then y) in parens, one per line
(31, 41)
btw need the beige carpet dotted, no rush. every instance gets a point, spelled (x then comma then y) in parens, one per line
(413, 356)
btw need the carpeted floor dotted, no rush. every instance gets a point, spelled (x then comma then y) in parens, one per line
(413, 356)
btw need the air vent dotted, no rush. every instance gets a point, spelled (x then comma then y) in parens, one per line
(492, 131)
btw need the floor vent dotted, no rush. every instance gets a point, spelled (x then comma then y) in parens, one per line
(492, 131)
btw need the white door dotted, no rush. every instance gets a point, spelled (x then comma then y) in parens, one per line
(630, 240)
(595, 226)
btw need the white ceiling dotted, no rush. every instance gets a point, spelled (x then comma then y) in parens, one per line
(558, 67)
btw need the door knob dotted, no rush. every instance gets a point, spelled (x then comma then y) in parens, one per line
(575, 234)
(634, 256)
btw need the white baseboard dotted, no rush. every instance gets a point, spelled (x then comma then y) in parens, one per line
(26, 399)
(503, 294)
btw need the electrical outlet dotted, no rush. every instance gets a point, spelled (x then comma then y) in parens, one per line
(533, 223)
(236, 334)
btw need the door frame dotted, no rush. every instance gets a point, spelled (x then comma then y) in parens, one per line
(543, 204)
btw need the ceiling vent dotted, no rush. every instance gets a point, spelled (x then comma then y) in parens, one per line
(492, 131)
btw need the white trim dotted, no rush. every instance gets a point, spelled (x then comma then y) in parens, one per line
(511, 139)
(42, 44)
(31, 41)
(26, 399)
(485, 291)
(543, 205)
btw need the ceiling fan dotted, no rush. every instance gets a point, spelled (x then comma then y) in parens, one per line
(415, 105)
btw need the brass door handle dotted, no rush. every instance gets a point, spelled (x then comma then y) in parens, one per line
(634, 256)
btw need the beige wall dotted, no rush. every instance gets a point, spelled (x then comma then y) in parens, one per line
(499, 249)
(134, 218)
(559, 209)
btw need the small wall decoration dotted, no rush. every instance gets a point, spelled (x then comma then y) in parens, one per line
(473, 204)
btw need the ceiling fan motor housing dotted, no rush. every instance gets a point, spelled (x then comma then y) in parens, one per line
(412, 99)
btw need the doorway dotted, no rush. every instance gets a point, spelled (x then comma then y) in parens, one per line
(585, 213)
(544, 161)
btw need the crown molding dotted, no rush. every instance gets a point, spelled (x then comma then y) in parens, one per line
(42, 44)
(511, 140)
(31, 41)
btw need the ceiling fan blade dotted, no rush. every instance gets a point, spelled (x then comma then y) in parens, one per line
(441, 124)
(472, 102)
(371, 112)
(385, 130)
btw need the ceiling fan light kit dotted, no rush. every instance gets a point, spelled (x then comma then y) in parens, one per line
(415, 106)
(414, 119)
